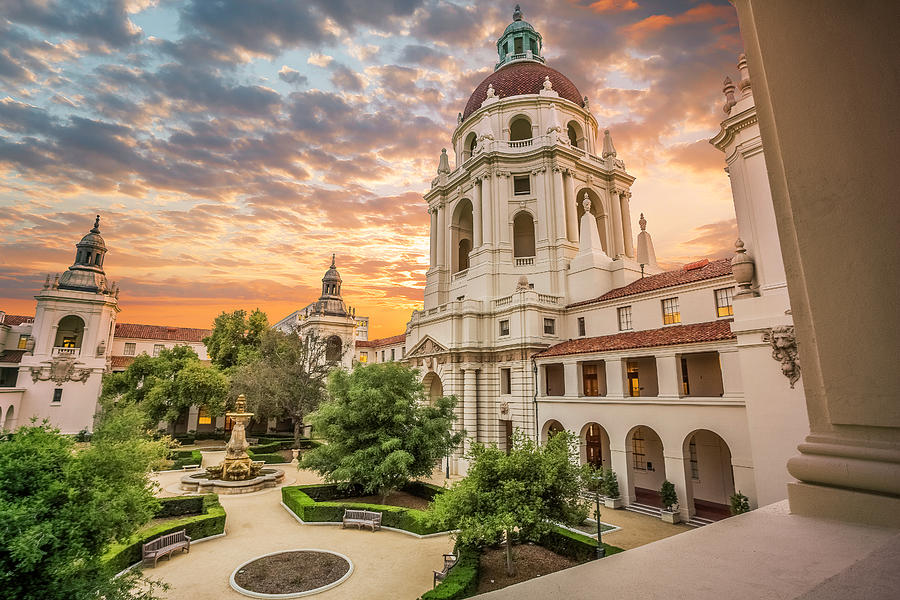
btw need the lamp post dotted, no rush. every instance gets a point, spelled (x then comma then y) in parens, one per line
(601, 551)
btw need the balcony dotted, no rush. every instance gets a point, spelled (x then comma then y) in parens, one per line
(460, 275)
(65, 351)
(525, 261)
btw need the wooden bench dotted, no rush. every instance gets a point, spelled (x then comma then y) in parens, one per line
(449, 562)
(165, 546)
(362, 518)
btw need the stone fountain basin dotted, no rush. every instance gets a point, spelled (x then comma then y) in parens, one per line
(201, 483)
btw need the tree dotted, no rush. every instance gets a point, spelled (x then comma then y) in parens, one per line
(61, 508)
(523, 491)
(381, 430)
(287, 380)
(164, 386)
(236, 337)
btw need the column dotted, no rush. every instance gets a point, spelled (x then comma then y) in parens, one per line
(193, 417)
(571, 207)
(618, 458)
(676, 465)
(502, 183)
(442, 235)
(668, 376)
(470, 406)
(487, 213)
(543, 229)
(476, 215)
(626, 224)
(615, 377)
(570, 376)
(433, 247)
(615, 205)
(731, 373)
(559, 205)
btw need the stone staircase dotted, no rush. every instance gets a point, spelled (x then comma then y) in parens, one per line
(699, 521)
(644, 509)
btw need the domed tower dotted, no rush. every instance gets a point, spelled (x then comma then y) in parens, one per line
(331, 302)
(86, 273)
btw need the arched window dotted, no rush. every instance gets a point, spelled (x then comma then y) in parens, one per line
(464, 248)
(97, 259)
(69, 332)
(469, 146)
(333, 349)
(461, 229)
(523, 235)
(519, 129)
(576, 137)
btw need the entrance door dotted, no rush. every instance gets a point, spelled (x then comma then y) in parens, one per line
(593, 453)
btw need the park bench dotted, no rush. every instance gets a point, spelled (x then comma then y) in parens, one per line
(166, 545)
(190, 467)
(362, 518)
(449, 562)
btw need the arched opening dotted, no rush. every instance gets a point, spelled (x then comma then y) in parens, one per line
(519, 129)
(709, 474)
(595, 446)
(576, 135)
(97, 259)
(469, 146)
(599, 212)
(9, 423)
(551, 428)
(461, 234)
(333, 349)
(646, 465)
(69, 334)
(433, 387)
(523, 235)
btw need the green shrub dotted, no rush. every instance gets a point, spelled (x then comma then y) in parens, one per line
(739, 503)
(667, 494)
(461, 581)
(271, 447)
(185, 439)
(179, 506)
(210, 522)
(193, 457)
(610, 484)
(268, 458)
(573, 545)
(83, 436)
(420, 489)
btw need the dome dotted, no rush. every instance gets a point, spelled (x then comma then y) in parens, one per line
(93, 239)
(518, 26)
(519, 78)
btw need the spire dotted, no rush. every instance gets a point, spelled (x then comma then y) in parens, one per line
(646, 255)
(589, 236)
(608, 149)
(744, 84)
(444, 163)
(517, 13)
(520, 41)
(728, 90)
(332, 260)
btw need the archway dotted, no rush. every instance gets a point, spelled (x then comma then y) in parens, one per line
(551, 428)
(523, 235)
(433, 387)
(69, 332)
(469, 145)
(709, 474)
(576, 134)
(463, 250)
(646, 465)
(519, 129)
(599, 212)
(595, 446)
(333, 349)
(9, 423)
(461, 235)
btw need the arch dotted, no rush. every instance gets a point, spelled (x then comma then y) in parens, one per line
(333, 349)
(461, 227)
(433, 387)
(595, 446)
(9, 423)
(69, 332)
(523, 234)
(646, 465)
(97, 259)
(576, 134)
(469, 145)
(599, 212)
(708, 473)
(519, 128)
(551, 428)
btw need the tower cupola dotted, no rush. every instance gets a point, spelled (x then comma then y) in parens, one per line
(519, 42)
(331, 302)
(87, 274)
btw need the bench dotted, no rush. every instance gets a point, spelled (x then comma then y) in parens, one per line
(449, 562)
(165, 546)
(190, 467)
(362, 518)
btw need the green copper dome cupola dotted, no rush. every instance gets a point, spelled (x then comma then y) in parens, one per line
(519, 42)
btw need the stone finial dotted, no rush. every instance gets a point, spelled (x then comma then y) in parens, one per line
(645, 253)
(587, 105)
(458, 118)
(55, 285)
(548, 85)
(47, 282)
(744, 83)
(643, 223)
(444, 163)
(522, 284)
(743, 267)
(332, 260)
(586, 203)
(728, 90)
(490, 91)
(517, 13)
(609, 150)
(96, 227)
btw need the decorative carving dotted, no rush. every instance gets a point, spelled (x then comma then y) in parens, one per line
(728, 90)
(427, 347)
(60, 370)
(784, 350)
(490, 91)
(743, 267)
(504, 408)
(522, 284)
(586, 204)
(101, 348)
(548, 85)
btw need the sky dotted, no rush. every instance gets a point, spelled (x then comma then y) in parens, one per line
(231, 147)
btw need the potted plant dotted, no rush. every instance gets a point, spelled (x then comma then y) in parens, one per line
(669, 498)
(739, 503)
(611, 490)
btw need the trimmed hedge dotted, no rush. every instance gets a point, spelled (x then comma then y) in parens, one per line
(423, 490)
(179, 506)
(211, 521)
(186, 457)
(272, 446)
(268, 458)
(304, 506)
(574, 545)
(461, 581)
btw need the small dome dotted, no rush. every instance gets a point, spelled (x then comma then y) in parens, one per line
(93, 238)
(520, 78)
(332, 275)
(518, 26)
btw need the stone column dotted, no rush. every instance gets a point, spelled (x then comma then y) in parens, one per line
(617, 244)
(193, 417)
(433, 247)
(731, 373)
(502, 182)
(618, 458)
(476, 215)
(570, 377)
(626, 224)
(487, 212)
(676, 465)
(615, 377)
(442, 235)
(559, 205)
(543, 229)
(571, 208)
(470, 406)
(668, 375)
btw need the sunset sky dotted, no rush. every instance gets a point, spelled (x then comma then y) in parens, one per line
(232, 146)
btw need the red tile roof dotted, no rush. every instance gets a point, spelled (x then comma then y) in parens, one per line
(11, 356)
(160, 332)
(388, 341)
(519, 78)
(13, 320)
(716, 268)
(120, 362)
(672, 335)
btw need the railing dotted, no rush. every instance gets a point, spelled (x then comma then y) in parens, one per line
(525, 261)
(548, 298)
(520, 143)
(503, 301)
(61, 351)
(460, 274)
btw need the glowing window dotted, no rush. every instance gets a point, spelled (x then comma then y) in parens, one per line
(203, 416)
(724, 306)
(589, 380)
(23, 342)
(68, 342)
(670, 311)
(634, 386)
(363, 357)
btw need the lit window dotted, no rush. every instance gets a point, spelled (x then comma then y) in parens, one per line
(695, 469)
(23, 342)
(550, 326)
(68, 342)
(685, 382)
(670, 311)
(505, 381)
(363, 357)
(639, 460)
(203, 416)
(57, 395)
(723, 302)
(504, 327)
(581, 328)
(625, 318)
(589, 380)
(129, 348)
(522, 185)
(634, 386)
(157, 348)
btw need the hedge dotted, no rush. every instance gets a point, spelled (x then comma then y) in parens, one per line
(268, 458)
(271, 447)
(186, 457)
(574, 545)
(423, 490)
(461, 581)
(211, 521)
(179, 506)
(304, 506)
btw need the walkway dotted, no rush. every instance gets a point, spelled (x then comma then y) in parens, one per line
(387, 565)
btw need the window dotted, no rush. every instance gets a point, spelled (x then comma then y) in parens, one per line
(23, 341)
(505, 381)
(57, 395)
(634, 386)
(363, 357)
(382, 356)
(550, 326)
(518, 45)
(581, 329)
(670, 311)
(68, 342)
(723, 302)
(589, 380)
(685, 382)
(403, 352)
(203, 416)
(523, 235)
(522, 185)
(393, 353)
(129, 348)
(695, 469)
(504, 327)
(157, 348)
(638, 458)
(625, 318)
(534, 49)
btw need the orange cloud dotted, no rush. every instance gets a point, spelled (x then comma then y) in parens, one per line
(613, 6)
(698, 14)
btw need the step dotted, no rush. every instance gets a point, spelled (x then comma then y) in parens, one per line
(644, 509)
(699, 521)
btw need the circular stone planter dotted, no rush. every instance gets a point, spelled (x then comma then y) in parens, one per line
(199, 482)
(301, 554)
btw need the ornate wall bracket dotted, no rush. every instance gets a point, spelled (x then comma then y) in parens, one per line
(60, 370)
(784, 350)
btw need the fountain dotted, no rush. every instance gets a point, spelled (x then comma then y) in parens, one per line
(238, 473)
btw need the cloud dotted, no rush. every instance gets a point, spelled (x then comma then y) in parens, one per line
(106, 21)
(344, 78)
(698, 156)
(292, 76)
(319, 60)
(613, 6)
